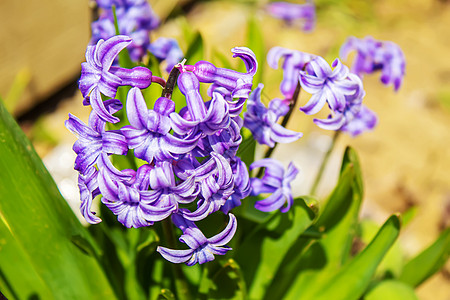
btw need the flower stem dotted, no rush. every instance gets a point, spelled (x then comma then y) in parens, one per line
(181, 285)
(324, 162)
(292, 104)
(170, 84)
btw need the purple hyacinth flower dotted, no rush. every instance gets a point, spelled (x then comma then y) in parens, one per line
(241, 185)
(167, 49)
(135, 19)
(262, 121)
(93, 140)
(366, 50)
(235, 107)
(169, 194)
(393, 70)
(148, 133)
(202, 249)
(98, 76)
(130, 199)
(373, 55)
(294, 62)
(238, 84)
(88, 186)
(206, 118)
(326, 85)
(215, 178)
(352, 107)
(355, 119)
(275, 181)
(290, 13)
(364, 120)
(226, 142)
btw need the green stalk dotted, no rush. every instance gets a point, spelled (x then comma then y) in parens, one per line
(181, 285)
(324, 162)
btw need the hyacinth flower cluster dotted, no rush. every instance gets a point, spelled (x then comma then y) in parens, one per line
(293, 14)
(188, 165)
(373, 55)
(168, 50)
(333, 85)
(135, 18)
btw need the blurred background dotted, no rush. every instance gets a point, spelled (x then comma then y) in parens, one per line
(405, 160)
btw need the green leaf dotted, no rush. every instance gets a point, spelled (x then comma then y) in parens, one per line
(195, 51)
(18, 278)
(225, 281)
(42, 223)
(354, 278)
(428, 262)
(391, 290)
(255, 41)
(247, 148)
(262, 252)
(392, 263)
(310, 264)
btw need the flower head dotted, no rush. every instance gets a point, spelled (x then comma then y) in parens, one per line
(202, 249)
(168, 50)
(98, 76)
(291, 13)
(294, 62)
(373, 55)
(262, 121)
(276, 181)
(326, 85)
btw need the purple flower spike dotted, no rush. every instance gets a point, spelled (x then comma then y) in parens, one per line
(93, 140)
(168, 50)
(97, 75)
(148, 133)
(275, 181)
(373, 55)
(326, 85)
(239, 84)
(201, 249)
(290, 13)
(355, 118)
(294, 62)
(262, 122)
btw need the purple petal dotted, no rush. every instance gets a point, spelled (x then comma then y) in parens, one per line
(137, 111)
(175, 256)
(226, 235)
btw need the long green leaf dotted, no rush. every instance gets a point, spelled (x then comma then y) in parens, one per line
(391, 290)
(42, 223)
(261, 253)
(303, 274)
(354, 278)
(431, 260)
(14, 265)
